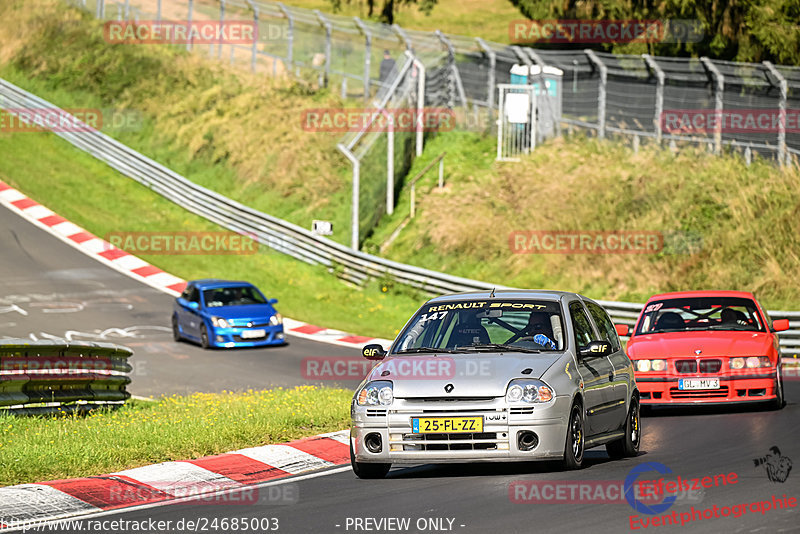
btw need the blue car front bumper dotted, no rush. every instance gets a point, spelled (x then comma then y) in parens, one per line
(238, 337)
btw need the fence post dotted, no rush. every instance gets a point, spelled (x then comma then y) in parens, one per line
(420, 101)
(451, 52)
(354, 206)
(389, 161)
(401, 33)
(127, 9)
(720, 83)
(655, 69)
(441, 172)
(367, 55)
(601, 92)
(189, 25)
(289, 38)
(100, 8)
(221, 27)
(784, 87)
(255, 41)
(490, 82)
(328, 29)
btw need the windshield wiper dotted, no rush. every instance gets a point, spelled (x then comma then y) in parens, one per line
(427, 350)
(730, 327)
(501, 346)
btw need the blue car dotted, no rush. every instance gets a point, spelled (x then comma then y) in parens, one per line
(221, 313)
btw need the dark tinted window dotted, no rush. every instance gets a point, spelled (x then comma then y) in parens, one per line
(604, 324)
(700, 313)
(232, 296)
(580, 324)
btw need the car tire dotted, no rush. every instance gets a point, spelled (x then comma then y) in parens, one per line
(628, 445)
(573, 448)
(368, 471)
(176, 332)
(204, 338)
(780, 400)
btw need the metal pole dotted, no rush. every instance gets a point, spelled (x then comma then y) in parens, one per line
(490, 81)
(441, 172)
(451, 52)
(413, 199)
(533, 119)
(98, 12)
(720, 83)
(389, 162)
(255, 40)
(127, 9)
(401, 33)
(221, 24)
(367, 55)
(653, 66)
(500, 123)
(601, 93)
(323, 79)
(290, 36)
(784, 87)
(158, 11)
(189, 25)
(420, 102)
(354, 219)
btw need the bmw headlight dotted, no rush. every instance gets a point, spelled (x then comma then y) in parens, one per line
(219, 322)
(276, 319)
(378, 393)
(644, 366)
(528, 391)
(753, 362)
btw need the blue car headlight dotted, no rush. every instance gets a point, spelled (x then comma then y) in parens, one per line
(219, 322)
(276, 319)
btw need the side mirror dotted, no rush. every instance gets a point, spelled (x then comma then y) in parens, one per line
(373, 351)
(595, 348)
(622, 329)
(193, 305)
(779, 325)
(272, 301)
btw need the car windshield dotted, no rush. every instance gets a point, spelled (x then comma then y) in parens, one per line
(700, 313)
(488, 325)
(232, 296)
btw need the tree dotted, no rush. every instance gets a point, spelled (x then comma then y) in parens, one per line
(741, 30)
(389, 6)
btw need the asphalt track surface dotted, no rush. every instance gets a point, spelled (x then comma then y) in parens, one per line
(49, 288)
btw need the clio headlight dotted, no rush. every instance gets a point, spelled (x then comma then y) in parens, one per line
(528, 391)
(377, 393)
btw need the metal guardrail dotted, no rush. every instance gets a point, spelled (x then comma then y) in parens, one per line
(286, 237)
(49, 375)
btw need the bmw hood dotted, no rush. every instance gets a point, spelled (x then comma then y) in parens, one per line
(483, 374)
(709, 343)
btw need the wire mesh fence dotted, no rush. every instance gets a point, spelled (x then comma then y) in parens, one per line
(724, 105)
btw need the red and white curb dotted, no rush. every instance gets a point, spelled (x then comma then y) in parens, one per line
(196, 481)
(137, 268)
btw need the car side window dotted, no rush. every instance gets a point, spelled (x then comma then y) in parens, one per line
(580, 325)
(194, 296)
(604, 324)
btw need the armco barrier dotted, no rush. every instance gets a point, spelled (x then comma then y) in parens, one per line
(60, 373)
(286, 237)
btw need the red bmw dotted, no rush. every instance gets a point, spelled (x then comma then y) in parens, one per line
(707, 347)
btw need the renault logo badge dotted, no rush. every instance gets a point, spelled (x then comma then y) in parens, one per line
(698, 352)
(448, 388)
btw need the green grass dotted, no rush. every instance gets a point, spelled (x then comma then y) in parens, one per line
(35, 449)
(94, 196)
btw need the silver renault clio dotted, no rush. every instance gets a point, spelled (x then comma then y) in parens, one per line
(496, 376)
